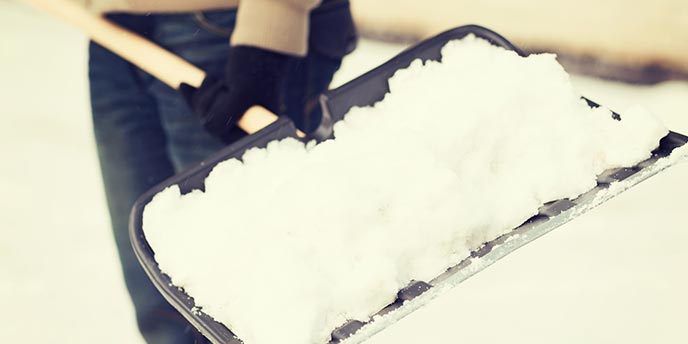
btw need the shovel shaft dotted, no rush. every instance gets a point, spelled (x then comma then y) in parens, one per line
(162, 64)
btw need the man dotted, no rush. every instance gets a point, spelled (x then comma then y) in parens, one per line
(283, 53)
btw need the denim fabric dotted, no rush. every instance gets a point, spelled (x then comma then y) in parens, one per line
(145, 133)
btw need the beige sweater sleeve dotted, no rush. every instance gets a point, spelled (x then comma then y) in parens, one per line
(278, 25)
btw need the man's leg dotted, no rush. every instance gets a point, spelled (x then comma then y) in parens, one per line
(145, 133)
(133, 157)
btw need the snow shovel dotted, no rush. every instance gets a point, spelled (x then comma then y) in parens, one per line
(364, 90)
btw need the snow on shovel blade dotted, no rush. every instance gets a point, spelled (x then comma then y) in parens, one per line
(672, 149)
(363, 91)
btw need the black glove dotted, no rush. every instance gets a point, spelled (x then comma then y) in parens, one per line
(253, 76)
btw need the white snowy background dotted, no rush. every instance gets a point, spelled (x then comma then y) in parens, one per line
(616, 274)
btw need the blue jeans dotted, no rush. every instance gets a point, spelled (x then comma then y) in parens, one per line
(145, 133)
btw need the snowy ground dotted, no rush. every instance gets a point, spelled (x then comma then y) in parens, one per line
(613, 275)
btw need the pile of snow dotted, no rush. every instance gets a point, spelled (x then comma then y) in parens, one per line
(293, 241)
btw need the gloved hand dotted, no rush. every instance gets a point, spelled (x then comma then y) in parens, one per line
(253, 76)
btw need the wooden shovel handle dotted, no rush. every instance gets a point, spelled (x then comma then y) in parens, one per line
(162, 64)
